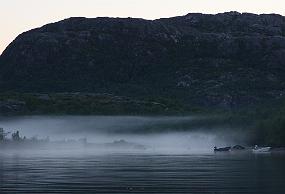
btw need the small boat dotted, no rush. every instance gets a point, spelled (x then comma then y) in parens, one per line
(225, 149)
(257, 149)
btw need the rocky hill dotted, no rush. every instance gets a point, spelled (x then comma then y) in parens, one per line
(225, 60)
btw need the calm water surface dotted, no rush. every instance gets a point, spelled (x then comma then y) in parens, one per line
(141, 173)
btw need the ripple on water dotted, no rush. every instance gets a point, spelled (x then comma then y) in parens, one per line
(142, 174)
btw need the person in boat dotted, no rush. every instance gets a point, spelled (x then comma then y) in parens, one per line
(16, 136)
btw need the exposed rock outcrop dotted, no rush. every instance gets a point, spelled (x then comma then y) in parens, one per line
(227, 60)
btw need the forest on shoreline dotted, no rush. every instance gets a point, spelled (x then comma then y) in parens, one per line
(265, 123)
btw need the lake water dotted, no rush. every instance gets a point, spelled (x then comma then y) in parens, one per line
(141, 173)
(178, 159)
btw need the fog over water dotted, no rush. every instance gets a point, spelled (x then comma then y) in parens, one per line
(178, 158)
(158, 134)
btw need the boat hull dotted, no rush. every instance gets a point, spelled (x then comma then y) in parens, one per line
(262, 150)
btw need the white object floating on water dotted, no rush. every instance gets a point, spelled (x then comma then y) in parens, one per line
(257, 149)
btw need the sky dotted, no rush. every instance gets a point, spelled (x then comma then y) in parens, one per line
(17, 16)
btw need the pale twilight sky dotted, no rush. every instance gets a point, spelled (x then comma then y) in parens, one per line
(17, 16)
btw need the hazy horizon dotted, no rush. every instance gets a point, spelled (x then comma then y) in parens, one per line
(20, 16)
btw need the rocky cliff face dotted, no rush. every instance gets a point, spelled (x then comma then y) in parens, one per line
(228, 59)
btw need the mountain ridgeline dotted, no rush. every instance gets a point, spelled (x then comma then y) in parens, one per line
(224, 60)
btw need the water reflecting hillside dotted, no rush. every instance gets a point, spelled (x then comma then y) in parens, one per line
(140, 173)
(132, 155)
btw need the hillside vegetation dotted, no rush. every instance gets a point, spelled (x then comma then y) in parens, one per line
(229, 65)
(226, 60)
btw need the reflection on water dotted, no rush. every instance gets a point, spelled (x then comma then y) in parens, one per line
(177, 158)
(141, 173)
